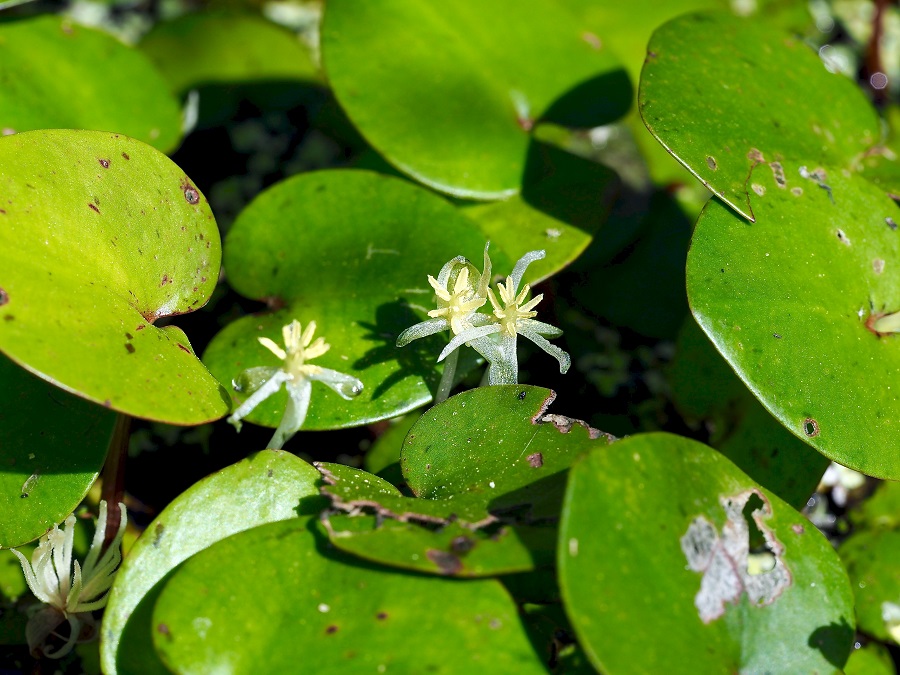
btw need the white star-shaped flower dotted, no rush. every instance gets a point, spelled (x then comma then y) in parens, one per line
(496, 341)
(297, 377)
(68, 590)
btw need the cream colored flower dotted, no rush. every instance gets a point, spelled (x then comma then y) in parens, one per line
(296, 375)
(68, 590)
(497, 341)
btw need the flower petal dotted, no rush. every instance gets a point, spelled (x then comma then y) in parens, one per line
(565, 361)
(468, 335)
(346, 386)
(273, 347)
(422, 329)
(539, 327)
(294, 413)
(268, 388)
(523, 263)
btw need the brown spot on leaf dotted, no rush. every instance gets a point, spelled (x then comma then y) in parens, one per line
(536, 461)
(93, 207)
(125, 155)
(191, 196)
(163, 629)
(447, 563)
(129, 348)
(798, 529)
(183, 348)
(165, 280)
(381, 616)
(104, 163)
(711, 163)
(462, 544)
(778, 174)
(592, 40)
(331, 629)
(141, 327)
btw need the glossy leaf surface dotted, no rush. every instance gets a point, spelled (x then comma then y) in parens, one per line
(787, 301)
(770, 96)
(453, 550)
(267, 486)
(650, 565)
(497, 447)
(199, 49)
(306, 605)
(100, 235)
(57, 74)
(706, 390)
(53, 445)
(496, 74)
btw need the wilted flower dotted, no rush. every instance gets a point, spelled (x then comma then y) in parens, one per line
(70, 591)
(296, 375)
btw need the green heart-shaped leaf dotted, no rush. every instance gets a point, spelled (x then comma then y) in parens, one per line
(501, 67)
(100, 235)
(673, 555)
(730, 96)
(350, 250)
(57, 74)
(497, 447)
(309, 607)
(277, 484)
(53, 448)
(787, 301)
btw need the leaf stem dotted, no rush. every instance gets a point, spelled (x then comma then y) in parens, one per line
(113, 490)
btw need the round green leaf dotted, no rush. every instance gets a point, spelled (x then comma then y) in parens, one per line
(501, 67)
(673, 555)
(309, 607)
(787, 299)
(769, 95)
(199, 49)
(53, 447)
(453, 550)
(277, 484)
(870, 557)
(57, 74)
(498, 447)
(100, 235)
(350, 250)
(706, 390)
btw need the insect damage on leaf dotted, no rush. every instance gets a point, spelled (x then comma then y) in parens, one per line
(724, 559)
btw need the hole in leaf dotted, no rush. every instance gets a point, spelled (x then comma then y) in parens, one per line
(810, 427)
